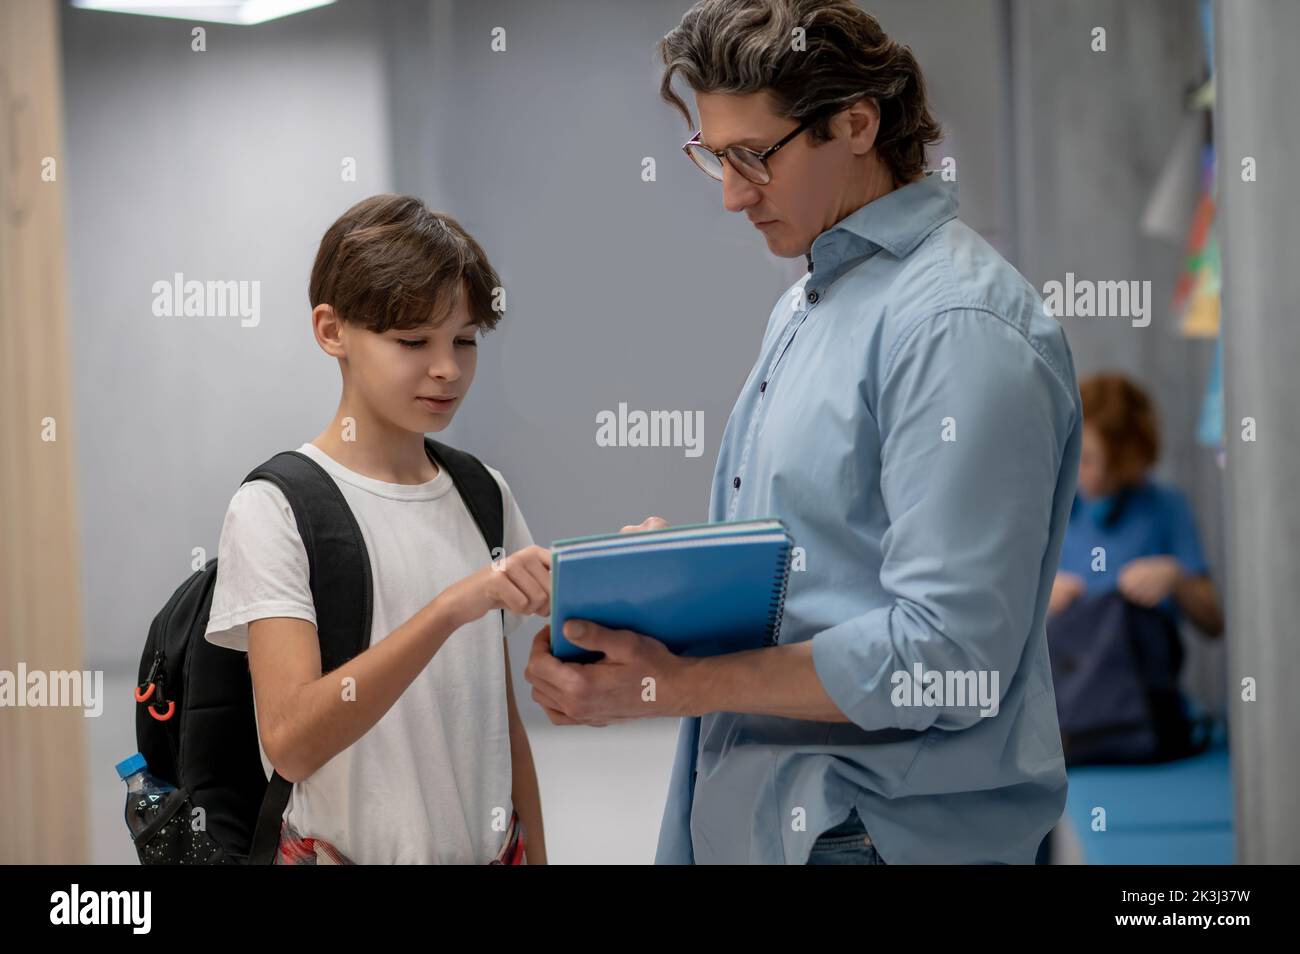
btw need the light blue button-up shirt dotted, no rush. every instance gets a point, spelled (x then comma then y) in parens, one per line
(914, 419)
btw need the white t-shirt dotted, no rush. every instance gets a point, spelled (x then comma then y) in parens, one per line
(430, 782)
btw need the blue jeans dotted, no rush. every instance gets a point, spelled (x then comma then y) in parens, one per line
(845, 844)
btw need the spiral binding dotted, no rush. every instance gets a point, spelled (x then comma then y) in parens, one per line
(776, 609)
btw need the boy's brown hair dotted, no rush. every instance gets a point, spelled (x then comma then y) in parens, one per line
(1125, 420)
(747, 46)
(390, 262)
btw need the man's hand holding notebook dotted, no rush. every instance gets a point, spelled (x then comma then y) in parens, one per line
(701, 589)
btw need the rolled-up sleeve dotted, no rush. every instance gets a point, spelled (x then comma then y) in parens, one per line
(974, 425)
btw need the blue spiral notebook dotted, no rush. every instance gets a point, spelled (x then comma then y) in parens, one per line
(702, 590)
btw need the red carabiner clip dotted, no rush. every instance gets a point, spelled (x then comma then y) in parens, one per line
(171, 710)
(151, 680)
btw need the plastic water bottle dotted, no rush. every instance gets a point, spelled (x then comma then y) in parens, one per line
(145, 795)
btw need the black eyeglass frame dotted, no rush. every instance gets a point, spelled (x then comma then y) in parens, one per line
(722, 154)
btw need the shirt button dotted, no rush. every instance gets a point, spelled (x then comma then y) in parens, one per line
(762, 387)
(812, 298)
(736, 483)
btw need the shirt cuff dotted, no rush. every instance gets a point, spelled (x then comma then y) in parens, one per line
(854, 662)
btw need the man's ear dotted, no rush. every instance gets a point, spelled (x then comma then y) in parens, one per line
(863, 125)
(328, 328)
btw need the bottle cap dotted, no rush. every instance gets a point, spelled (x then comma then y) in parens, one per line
(128, 767)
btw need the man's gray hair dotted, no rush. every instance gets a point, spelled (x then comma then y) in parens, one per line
(839, 55)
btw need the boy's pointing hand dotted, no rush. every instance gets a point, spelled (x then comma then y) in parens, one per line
(520, 583)
(649, 523)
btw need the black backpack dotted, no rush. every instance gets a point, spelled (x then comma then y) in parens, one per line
(195, 724)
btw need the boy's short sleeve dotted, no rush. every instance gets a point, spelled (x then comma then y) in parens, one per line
(262, 567)
(516, 538)
(1184, 541)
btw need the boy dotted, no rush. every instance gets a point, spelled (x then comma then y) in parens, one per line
(425, 760)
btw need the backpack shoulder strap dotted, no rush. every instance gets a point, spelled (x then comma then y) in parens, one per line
(339, 568)
(478, 488)
(338, 563)
(266, 834)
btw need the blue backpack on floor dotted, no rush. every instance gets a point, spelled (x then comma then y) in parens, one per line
(1115, 668)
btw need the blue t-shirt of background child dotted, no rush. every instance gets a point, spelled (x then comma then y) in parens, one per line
(1146, 519)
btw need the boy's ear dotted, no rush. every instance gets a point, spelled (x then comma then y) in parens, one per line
(328, 328)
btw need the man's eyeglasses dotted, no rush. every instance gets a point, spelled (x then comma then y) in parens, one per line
(749, 163)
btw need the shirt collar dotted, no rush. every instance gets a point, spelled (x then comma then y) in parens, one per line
(897, 222)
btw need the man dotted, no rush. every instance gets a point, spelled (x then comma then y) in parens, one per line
(914, 419)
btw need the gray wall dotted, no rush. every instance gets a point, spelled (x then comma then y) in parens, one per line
(1257, 80)
(221, 165)
(1092, 132)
